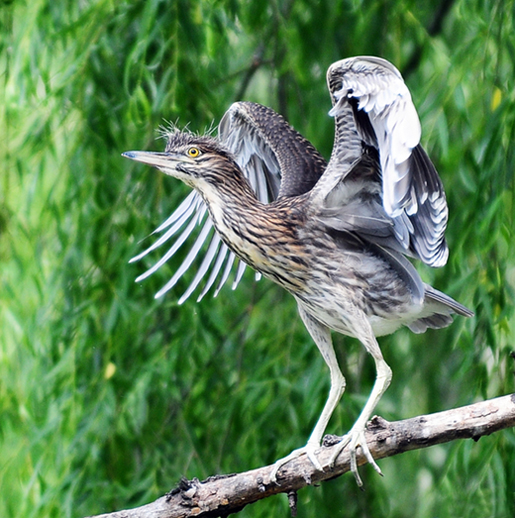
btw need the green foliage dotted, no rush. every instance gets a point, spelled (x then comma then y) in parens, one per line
(107, 396)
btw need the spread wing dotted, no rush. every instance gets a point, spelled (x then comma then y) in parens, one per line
(261, 139)
(380, 182)
(275, 159)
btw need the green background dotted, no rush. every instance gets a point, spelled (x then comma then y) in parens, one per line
(107, 396)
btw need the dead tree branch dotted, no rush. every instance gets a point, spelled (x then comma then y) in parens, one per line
(227, 494)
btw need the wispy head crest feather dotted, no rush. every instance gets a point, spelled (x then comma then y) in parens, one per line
(169, 128)
(166, 130)
(178, 137)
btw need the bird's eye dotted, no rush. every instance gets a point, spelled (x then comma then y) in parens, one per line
(193, 152)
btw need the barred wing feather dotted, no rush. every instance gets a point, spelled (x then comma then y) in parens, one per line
(371, 91)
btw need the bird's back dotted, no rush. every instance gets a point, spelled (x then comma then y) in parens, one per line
(336, 274)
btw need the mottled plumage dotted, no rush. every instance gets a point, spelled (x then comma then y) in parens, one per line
(334, 235)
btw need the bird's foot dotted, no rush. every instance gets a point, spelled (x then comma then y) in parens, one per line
(309, 450)
(355, 439)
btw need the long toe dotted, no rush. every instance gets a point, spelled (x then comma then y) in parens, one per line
(309, 450)
(353, 440)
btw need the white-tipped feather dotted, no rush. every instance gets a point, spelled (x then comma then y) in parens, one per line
(411, 190)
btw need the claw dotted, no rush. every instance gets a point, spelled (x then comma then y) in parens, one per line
(354, 439)
(308, 450)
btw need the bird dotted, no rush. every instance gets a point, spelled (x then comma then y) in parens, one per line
(337, 235)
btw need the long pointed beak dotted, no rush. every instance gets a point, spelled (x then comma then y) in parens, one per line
(151, 158)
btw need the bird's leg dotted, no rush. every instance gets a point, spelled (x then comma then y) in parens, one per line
(322, 337)
(356, 435)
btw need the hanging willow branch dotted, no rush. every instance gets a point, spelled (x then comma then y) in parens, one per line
(226, 494)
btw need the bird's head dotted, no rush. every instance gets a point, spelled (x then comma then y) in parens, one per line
(191, 158)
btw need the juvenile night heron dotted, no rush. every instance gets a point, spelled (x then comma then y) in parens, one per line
(335, 235)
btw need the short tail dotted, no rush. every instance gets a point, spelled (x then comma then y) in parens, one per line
(441, 308)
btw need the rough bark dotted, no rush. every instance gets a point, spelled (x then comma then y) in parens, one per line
(226, 494)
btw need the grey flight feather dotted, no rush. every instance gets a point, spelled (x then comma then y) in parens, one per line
(292, 164)
(373, 109)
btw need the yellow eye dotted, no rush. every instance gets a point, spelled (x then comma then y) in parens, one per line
(193, 152)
